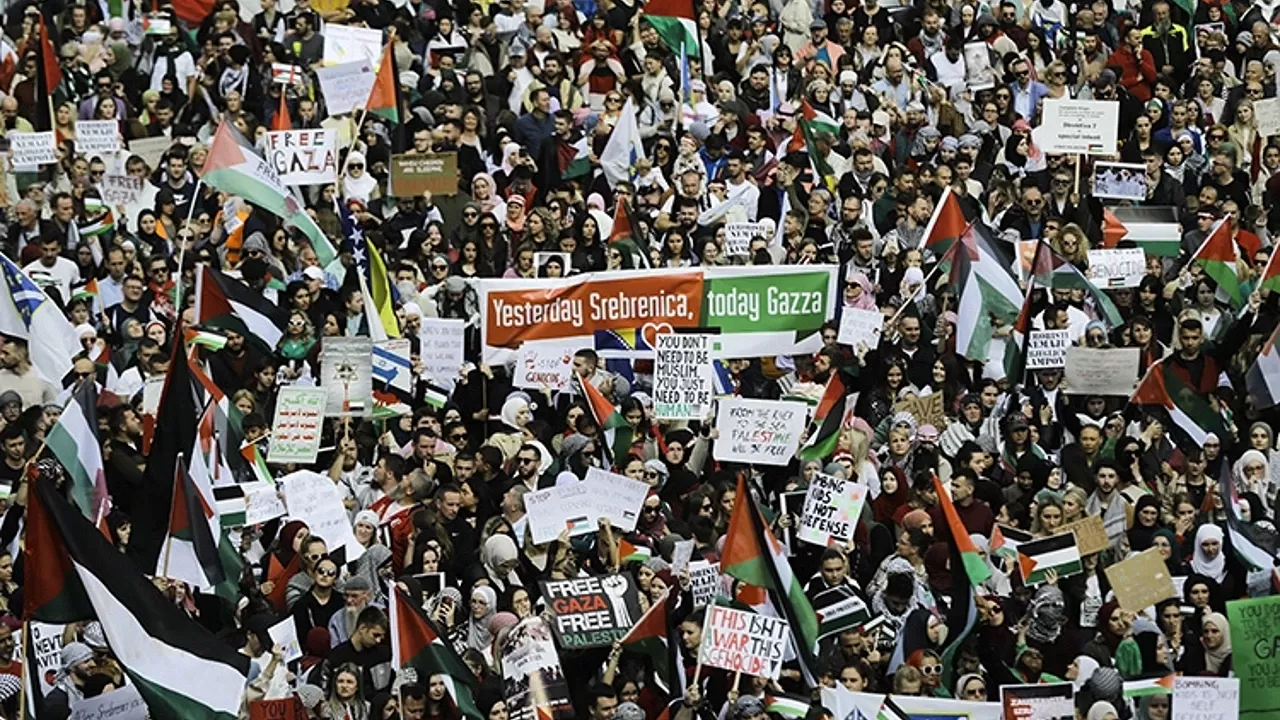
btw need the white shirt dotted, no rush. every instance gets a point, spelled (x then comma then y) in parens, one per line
(61, 276)
(183, 67)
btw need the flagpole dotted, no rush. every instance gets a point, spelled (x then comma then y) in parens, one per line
(26, 670)
(182, 250)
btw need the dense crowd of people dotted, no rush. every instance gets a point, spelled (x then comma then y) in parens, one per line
(844, 134)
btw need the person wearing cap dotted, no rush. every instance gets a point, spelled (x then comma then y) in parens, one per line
(819, 48)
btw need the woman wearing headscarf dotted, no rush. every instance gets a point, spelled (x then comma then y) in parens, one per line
(998, 583)
(484, 192)
(1146, 518)
(1102, 710)
(1251, 474)
(1080, 670)
(357, 182)
(1115, 640)
(1209, 559)
(895, 490)
(1211, 656)
(484, 603)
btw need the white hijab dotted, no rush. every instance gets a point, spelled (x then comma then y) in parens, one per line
(1215, 568)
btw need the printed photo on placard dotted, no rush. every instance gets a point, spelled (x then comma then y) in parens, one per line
(1119, 181)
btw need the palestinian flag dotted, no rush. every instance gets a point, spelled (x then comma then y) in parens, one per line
(1113, 231)
(48, 81)
(191, 550)
(651, 637)
(1254, 543)
(753, 555)
(204, 338)
(234, 167)
(629, 552)
(181, 669)
(946, 226)
(986, 291)
(89, 291)
(280, 121)
(1051, 270)
(974, 566)
(617, 433)
(1190, 413)
(416, 643)
(889, 710)
(1263, 378)
(223, 302)
(1220, 257)
(1270, 279)
(623, 227)
(1149, 686)
(674, 21)
(839, 609)
(828, 419)
(434, 396)
(818, 121)
(786, 706)
(105, 223)
(74, 442)
(252, 455)
(574, 159)
(384, 98)
(1056, 552)
(231, 505)
(1005, 540)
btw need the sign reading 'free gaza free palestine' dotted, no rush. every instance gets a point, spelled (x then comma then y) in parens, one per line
(758, 310)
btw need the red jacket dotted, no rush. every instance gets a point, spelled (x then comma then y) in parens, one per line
(1139, 71)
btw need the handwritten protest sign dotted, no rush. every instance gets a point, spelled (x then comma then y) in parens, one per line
(1267, 113)
(551, 510)
(738, 641)
(738, 237)
(533, 680)
(765, 432)
(1141, 580)
(1101, 371)
(927, 409)
(1047, 349)
(860, 326)
(346, 374)
(831, 510)
(304, 156)
(704, 581)
(545, 365)
(1091, 534)
(592, 611)
(95, 137)
(289, 708)
(120, 190)
(1079, 126)
(346, 43)
(123, 703)
(314, 499)
(33, 148)
(1255, 657)
(681, 554)
(682, 382)
(1206, 698)
(150, 149)
(295, 431)
(346, 87)
(1054, 701)
(616, 497)
(412, 175)
(262, 503)
(442, 343)
(1117, 267)
(46, 647)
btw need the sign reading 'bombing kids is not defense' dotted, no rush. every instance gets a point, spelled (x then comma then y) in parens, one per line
(592, 611)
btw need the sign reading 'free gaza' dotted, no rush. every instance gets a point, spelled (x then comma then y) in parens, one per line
(759, 310)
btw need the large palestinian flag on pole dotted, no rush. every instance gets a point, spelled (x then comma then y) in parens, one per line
(1219, 256)
(674, 21)
(1190, 413)
(753, 555)
(416, 644)
(224, 302)
(74, 441)
(1263, 378)
(234, 167)
(73, 573)
(985, 289)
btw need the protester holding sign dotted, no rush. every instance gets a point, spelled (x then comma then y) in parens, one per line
(590, 360)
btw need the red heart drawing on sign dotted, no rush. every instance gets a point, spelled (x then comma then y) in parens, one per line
(649, 332)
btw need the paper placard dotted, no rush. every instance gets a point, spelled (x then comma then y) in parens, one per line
(683, 386)
(1091, 535)
(345, 44)
(616, 497)
(544, 365)
(738, 237)
(314, 499)
(1055, 701)
(151, 150)
(286, 74)
(1206, 698)
(1255, 656)
(95, 137)
(831, 510)
(295, 431)
(392, 367)
(288, 708)
(579, 506)
(738, 641)
(1087, 127)
(46, 644)
(765, 432)
(681, 554)
(1267, 113)
(120, 190)
(123, 703)
(442, 342)
(927, 410)
(346, 374)
(592, 611)
(262, 503)
(414, 174)
(1047, 349)
(285, 634)
(1117, 267)
(1101, 371)
(860, 326)
(704, 582)
(346, 87)
(304, 156)
(533, 681)
(33, 148)
(1141, 580)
